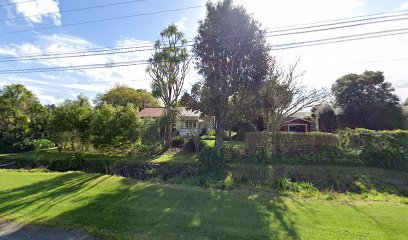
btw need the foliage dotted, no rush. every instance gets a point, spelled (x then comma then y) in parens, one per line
(282, 95)
(212, 158)
(168, 68)
(122, 95)
(231, 67)
(291, 142)
(385, 149)
(21, 117)
(116, 128)
(179, 141)
(327, 118)
(70, 124)
(367, 101)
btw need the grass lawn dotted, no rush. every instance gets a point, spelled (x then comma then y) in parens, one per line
(176, 157)
(37, 156)
(118, 208)
(211, 143)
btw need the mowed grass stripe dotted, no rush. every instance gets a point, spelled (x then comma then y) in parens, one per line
(116, 208)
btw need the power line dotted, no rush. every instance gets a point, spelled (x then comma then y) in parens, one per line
(108, 49)
(19, 2)
(316, 42)
(75, 67)
(274, 47)
(75, 9)
(130, 49)
(342, 19)
(103, 20)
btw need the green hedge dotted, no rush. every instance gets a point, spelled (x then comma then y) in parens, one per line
(386, 149)
(111, 165)
(359, 147)
(291, 142)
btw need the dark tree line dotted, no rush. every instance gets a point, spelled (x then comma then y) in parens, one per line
(362, 101)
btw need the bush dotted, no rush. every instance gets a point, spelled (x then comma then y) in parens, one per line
(291, 142)
(212, 158)
(179, 141)
(29, 145)
(385, 149)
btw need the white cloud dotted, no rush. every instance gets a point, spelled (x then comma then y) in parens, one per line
(181, 24)
(35, 11)
(89, 80)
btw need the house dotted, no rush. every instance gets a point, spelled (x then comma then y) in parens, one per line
(189, 122)
(298, 122)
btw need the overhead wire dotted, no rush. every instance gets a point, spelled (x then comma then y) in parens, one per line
(74, 10)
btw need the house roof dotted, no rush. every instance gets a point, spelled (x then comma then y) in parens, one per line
(152, 112)
(291, 119)
(298, 116)
(159, 111)
(184, 112)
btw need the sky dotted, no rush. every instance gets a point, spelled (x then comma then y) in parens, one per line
(30, 27)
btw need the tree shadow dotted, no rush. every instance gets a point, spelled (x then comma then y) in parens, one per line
(138, 210)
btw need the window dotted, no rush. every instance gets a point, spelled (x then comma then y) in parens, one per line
(190, 124)
(297, 128)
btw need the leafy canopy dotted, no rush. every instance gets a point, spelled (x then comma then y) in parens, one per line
(122, 95)
(232, 55)
(367, 101)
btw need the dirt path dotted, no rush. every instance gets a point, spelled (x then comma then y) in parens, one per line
(20, 231)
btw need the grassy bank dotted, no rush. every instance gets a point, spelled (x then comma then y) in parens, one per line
(118, 208)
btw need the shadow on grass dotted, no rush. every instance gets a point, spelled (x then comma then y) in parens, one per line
(143, 211)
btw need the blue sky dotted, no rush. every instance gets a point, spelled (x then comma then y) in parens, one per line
(323, 64)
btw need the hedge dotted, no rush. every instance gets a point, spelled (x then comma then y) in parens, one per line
(291, 142)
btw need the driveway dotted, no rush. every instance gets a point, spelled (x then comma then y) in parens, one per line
(20, 231)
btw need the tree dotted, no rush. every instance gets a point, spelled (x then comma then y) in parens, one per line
(282, 95)
(122, 95)
(232, 55)
(367, 101)
(168, 68)
(116, 128)
(21, 114)
(70, 123)
(406, 102)
(326, 118)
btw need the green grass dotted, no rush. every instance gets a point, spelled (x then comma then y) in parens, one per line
(211, 143)
(36, 156)
(117, 208)
(176, 157)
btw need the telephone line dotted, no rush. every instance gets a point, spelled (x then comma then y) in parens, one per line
(75, 9)
(107, 49)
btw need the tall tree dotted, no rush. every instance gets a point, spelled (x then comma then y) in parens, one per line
(367, 101)
(326, 118)
(232, 55)
(122, 95)
(168, 68)
(21, 114)
(283, 95)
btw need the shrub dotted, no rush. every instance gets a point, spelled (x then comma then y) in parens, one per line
(386, 149)
(211, 158)
(30, 145)
(179, 141)
(291, 142)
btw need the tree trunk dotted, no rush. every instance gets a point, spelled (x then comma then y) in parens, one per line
(168, 135)
(219, 133)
